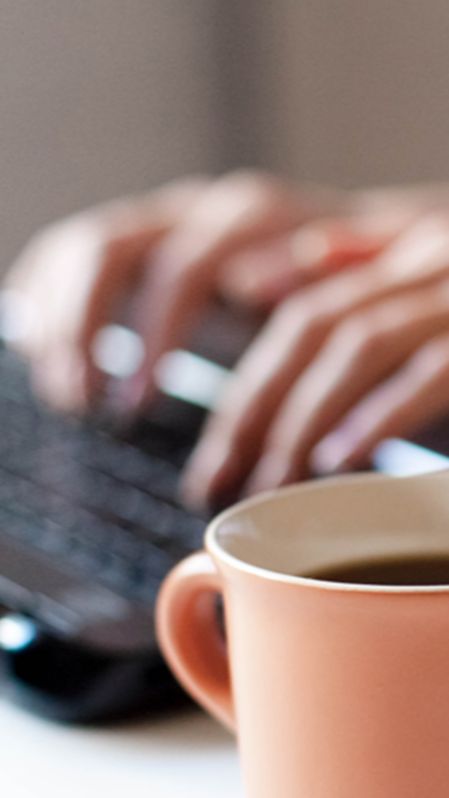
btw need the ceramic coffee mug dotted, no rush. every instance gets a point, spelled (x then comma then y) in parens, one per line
(334, 690)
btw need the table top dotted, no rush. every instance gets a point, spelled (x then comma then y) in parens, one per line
(186, 755)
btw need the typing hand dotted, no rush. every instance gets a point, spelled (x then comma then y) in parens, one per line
(264, 243)
(339, 366)
(173, 249)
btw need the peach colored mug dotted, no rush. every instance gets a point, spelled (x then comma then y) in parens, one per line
(335, 690)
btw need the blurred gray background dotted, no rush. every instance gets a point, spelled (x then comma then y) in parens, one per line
(101, 97)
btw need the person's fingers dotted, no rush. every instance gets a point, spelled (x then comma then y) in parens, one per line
(131, 227)
(411, 399)
(264, 275)
(367, 224)
(76, 274)
(419, 257)
(292, 338)
(115, 281)
(236, 211)
(59, 379)
(363, 351)
(233, 436)
(234, 433)
(52, 277)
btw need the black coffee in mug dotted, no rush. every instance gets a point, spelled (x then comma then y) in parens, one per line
(401, 570)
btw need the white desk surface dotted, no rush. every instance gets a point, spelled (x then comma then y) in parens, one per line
(185, 756)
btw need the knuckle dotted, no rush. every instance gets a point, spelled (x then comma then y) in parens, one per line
(291, 309)
(254, 186)
(42, 240)
(38, 251)
(433, 356)
(291, 318)
(248, 179)
(308, 319)
(298, 308)
(61, 232)
(361, 337)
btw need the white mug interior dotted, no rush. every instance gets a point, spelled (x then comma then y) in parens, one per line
(295, 531)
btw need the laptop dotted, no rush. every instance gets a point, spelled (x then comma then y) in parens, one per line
(90, 523)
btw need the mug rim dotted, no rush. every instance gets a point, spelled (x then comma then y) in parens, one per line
(217, 551)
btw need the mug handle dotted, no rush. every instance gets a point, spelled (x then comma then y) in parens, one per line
(189, 636)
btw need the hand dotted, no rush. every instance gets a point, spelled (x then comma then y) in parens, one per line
(247, 235)
(339, 366)
(174, 248)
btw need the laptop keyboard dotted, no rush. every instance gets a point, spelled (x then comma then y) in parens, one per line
(106, 508)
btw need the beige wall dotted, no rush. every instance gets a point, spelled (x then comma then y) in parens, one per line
(357, 90)
(98, 97)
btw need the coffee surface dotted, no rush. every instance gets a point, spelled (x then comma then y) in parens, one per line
(416, 570)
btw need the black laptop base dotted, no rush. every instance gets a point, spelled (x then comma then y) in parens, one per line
(90, 524)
